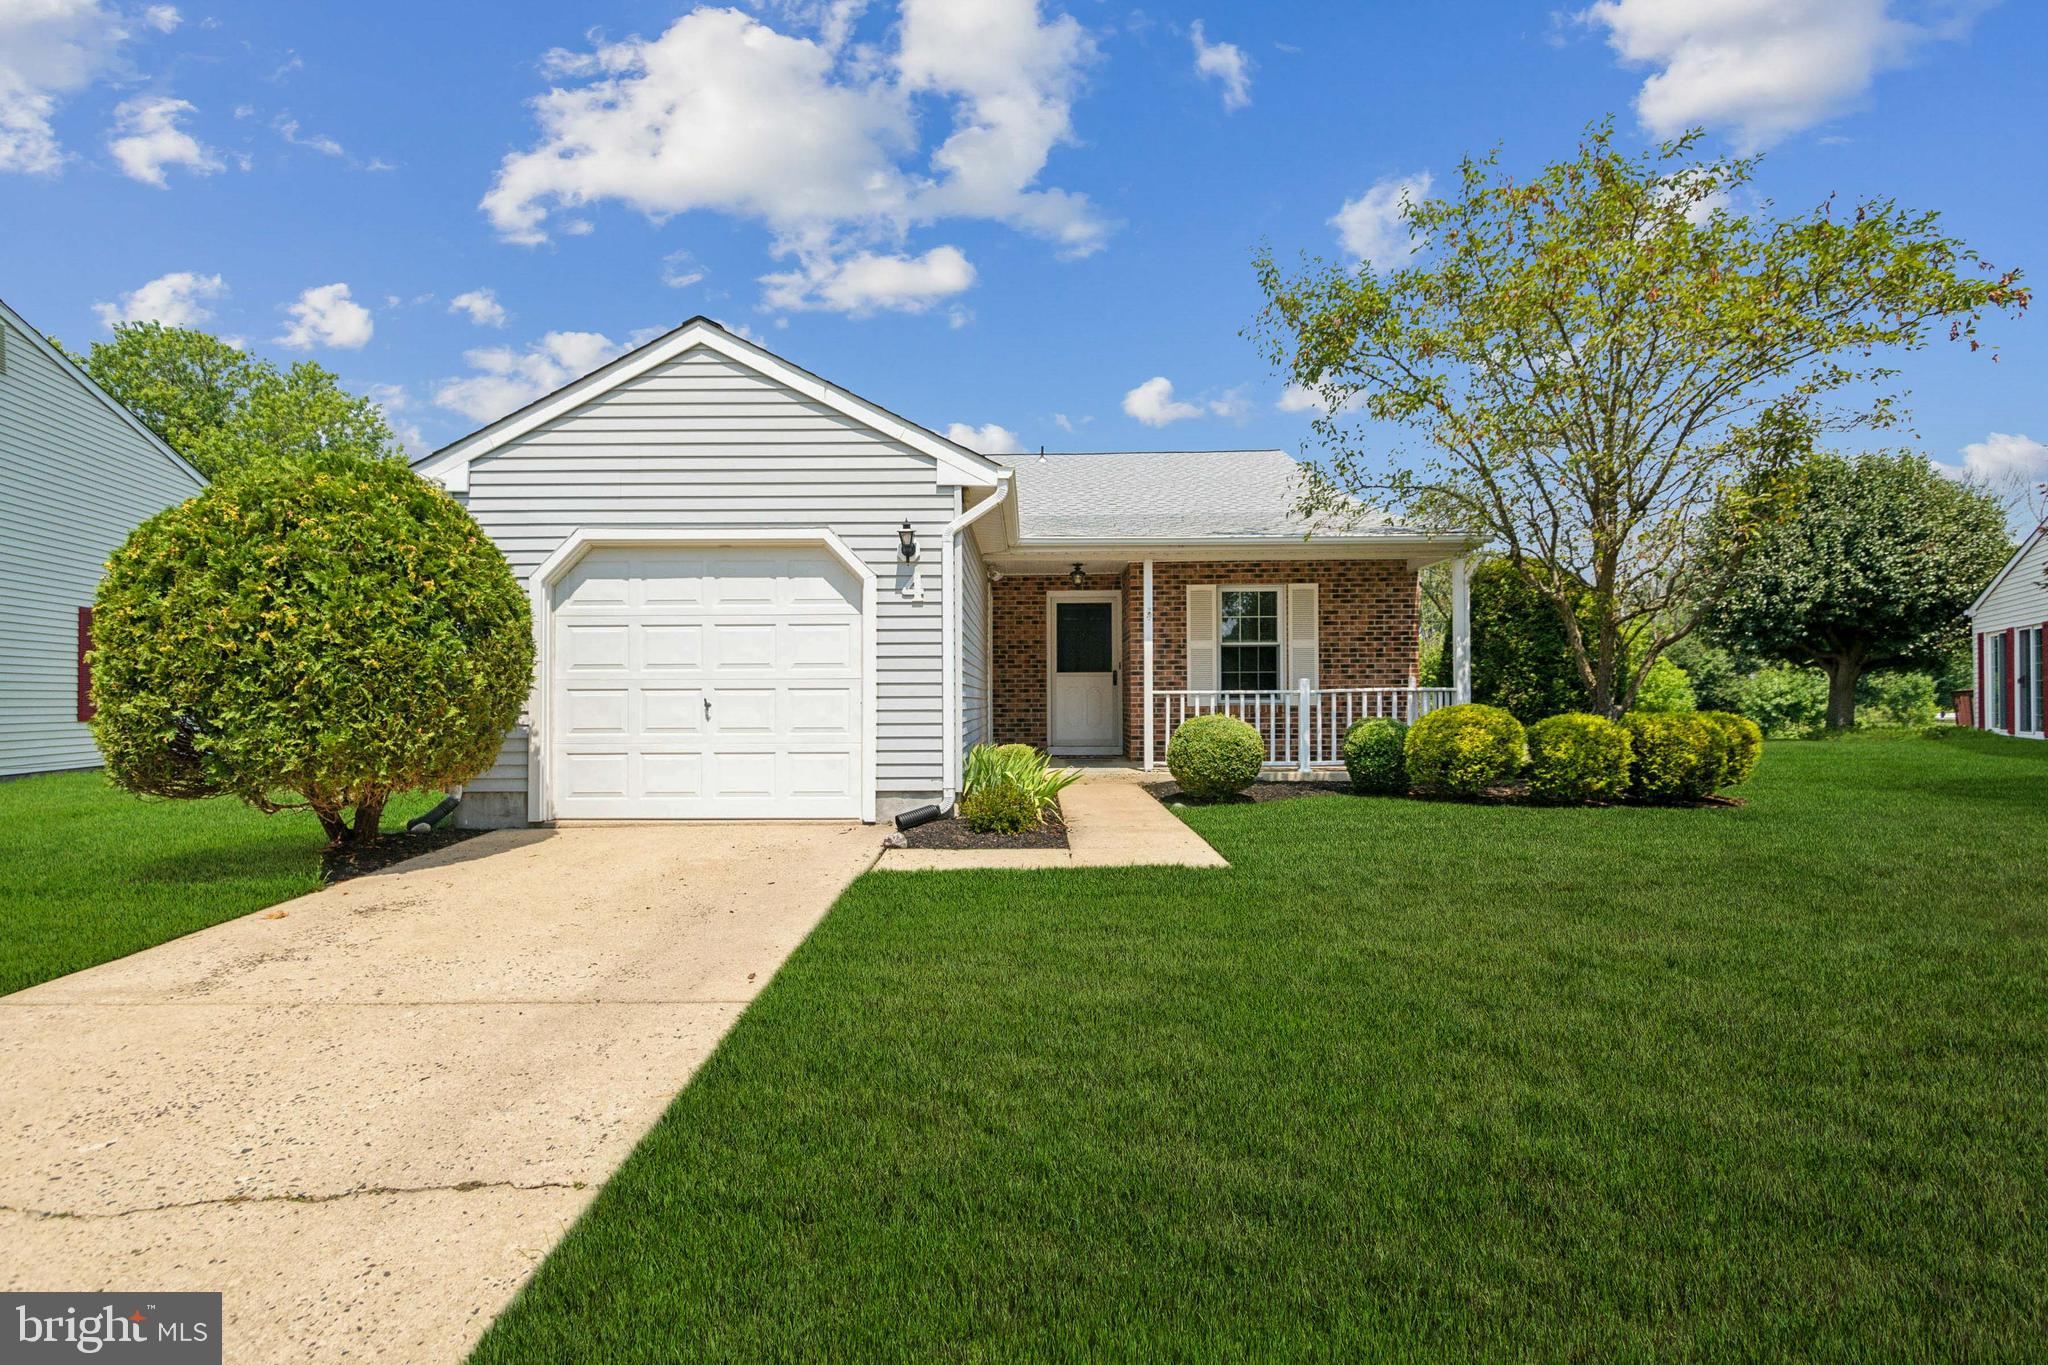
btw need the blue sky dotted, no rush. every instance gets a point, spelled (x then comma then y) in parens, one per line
(1034, 218)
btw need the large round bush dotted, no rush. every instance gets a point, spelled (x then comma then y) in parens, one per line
(1578, 757)
(1215, 755)
(316, 632)
(1741, 745)
(1676, 757)
(1373, 755)
(1464, 749)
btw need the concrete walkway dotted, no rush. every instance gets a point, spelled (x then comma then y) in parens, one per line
(366, 1119)
(1112, 821)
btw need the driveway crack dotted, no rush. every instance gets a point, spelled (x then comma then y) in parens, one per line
(459, 1187)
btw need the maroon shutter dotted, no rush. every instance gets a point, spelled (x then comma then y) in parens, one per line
(86, 710)
(2012, 665)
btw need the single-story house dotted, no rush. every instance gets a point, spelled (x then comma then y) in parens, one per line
(756, 594)
(2008, 622)
(78, 472)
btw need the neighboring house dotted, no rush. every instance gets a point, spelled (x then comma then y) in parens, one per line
(758, 595)
(78, 472)
(2008, 621)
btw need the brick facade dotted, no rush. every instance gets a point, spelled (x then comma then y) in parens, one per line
(1368, 635)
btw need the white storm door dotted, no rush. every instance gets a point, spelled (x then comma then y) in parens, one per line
(1084, 717)
(714, 683)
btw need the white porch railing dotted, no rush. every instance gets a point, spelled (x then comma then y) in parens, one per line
(1303, 728)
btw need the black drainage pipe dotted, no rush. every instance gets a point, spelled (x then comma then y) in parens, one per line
(917, 815)
(435, 816)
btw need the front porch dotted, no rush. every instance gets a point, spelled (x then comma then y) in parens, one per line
(1109, 659)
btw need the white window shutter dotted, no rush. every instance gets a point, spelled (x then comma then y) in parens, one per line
(1301, 635)
(1202, 670)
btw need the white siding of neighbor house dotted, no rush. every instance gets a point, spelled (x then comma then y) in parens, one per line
(75, 478)
(974, 613)
(704, 443)
(2019, 599)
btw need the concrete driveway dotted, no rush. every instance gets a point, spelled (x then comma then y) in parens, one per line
(366, 1119)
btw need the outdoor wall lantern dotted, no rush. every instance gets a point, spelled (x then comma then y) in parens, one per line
(906, 539)
(1077, 578)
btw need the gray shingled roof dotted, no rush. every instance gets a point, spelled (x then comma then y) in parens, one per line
(1160, 494)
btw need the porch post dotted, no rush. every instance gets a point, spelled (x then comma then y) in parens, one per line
(1148, 666)
(1461, 633)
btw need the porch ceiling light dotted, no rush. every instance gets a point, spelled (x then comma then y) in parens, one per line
(1077, 578)
(906, 540)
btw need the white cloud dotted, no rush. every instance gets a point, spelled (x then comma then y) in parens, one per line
(988, 439)
(1370, 227)
(325, 316)
(507, 379)
(48, 49)
(2003, 458)
(288, 129)
(147, 139)
(481, 306)
(680, 270)
(1761, 68)
(1301, 398)
(723, 113)
(1225, 63)
(1153, 403)
(1070, 425)
(868, 282)
(394, 399)
(176, 300)
(162, 18)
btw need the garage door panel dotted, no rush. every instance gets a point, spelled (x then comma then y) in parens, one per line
(770, 639)
(595, 711)
(672, 711)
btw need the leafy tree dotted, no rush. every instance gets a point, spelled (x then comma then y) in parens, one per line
(316, 632)
(1875, 570)
(1598, 356)
(1665, 690)
(1521, 656)
(220, 407)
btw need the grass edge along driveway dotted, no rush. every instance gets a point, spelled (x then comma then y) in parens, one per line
(89, 873)
(1407, 1078)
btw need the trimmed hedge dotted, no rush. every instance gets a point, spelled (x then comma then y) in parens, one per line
(1215, 755)
(318, 631)
(999, 808)
(1578, 757)
(1464, 749)
(1742, 744)
(1373, 755)
(1677, 757)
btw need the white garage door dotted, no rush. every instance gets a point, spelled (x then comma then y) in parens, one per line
(706, 684)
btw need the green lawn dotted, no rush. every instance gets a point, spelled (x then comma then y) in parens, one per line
(1409, 1079)
(89, 873)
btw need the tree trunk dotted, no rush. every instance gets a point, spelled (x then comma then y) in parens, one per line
(369, 813)
(1843, 670)
(332, 824)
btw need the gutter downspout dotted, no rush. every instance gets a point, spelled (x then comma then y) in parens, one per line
(951, 727)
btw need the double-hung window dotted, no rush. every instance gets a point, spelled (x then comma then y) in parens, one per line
(1250, 644)
(2027, 683)
(1994, 680)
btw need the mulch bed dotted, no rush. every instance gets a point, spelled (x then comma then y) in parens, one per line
(1516, 794)
(952, 832)
(340, 864)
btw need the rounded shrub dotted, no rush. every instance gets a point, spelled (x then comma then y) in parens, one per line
(1373, 755)
(1464, 749)
(1215, 755)
(316, 632)
(1578, 757)
(1676, 757)
(1742, 744)
(999, 808)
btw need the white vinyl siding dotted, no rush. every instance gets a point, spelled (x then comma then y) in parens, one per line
(974, 632)
(2018, 602)
(75, 479)
(705, 443)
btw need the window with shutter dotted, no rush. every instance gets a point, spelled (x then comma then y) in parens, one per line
(1249, 639)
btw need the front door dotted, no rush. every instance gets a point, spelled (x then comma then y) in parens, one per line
(1085, 716)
